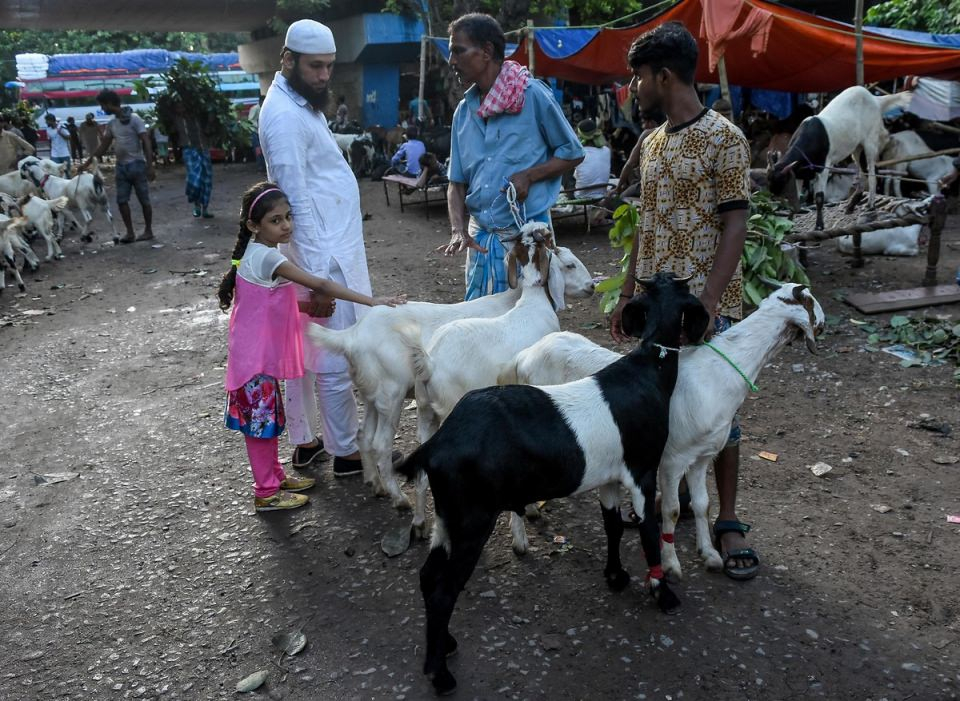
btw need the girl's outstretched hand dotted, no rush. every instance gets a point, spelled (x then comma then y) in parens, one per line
(389, 301)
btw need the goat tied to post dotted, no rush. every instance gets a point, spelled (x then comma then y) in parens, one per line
(382, 368)
(504, 447)
(852, 123)
(708, 393)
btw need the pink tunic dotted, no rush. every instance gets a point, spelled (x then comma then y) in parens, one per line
(265, 336)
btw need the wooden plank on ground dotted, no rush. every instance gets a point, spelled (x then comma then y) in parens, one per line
(912, 298)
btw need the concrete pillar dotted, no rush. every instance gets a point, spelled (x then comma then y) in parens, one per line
(262, 58)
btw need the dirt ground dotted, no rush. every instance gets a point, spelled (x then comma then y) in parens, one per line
(149, 576)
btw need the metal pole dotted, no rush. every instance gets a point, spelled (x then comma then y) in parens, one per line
(531, 59)
(423, 76)
(858, 28)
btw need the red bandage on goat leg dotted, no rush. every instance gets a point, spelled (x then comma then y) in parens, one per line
(655, 572)
(667, 538)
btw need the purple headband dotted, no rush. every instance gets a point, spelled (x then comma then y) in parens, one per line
(257, 198)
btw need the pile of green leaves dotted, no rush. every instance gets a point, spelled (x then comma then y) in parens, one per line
(625, 221)
(764, 256)
(933, 340)
(190, 84)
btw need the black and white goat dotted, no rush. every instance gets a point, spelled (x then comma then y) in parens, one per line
(504, 447)
(850, 124)
(707, 395)
(382, 369)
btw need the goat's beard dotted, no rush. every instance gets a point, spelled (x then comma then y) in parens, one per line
(317, 98)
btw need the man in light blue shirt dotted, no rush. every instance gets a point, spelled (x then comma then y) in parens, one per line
(406, 161)
(508, 129)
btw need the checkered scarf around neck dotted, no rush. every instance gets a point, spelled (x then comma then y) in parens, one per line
(507, 92)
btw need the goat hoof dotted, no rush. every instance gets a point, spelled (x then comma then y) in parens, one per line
(668, 602)
(22, 288)
(419, 531)
(444, 683)
(617, 581)
(519, 549)
(402, 504)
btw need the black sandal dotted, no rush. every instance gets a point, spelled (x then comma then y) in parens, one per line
(305, 457)
(739, 573)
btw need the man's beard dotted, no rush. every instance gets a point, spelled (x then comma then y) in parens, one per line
(317, 98)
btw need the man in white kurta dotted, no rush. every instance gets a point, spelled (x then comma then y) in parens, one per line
(303, 159)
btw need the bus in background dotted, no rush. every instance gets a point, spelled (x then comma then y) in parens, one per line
(68, 84)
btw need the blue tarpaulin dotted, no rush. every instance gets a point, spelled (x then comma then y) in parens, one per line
(135, 61)
(948, 40)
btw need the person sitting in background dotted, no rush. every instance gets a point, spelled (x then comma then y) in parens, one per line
(406, 161)
(595, 168)
(723, 107)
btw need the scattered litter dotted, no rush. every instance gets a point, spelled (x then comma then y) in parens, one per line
(157, 245)
(131, 309)
(411, 406)
(902, 452)
(905, 353)
(772, 457)
(290, 643)
(33, 312)
(55, 477)
(797, 367)
(946, 459)
(953, 518)
(396, 542)
(560, 539)
(820, 469)
(149, 271)
(254, 681)
(880, 508)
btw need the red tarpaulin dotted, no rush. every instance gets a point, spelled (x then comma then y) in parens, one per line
(803, 53)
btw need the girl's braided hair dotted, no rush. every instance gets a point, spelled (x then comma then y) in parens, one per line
(253, 207)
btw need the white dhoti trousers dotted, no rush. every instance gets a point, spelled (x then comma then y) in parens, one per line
(325, 385)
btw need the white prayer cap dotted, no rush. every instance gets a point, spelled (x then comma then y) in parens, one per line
(307, 36)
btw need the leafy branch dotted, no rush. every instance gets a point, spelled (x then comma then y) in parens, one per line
(933, 340)
(622, 233)
(765, 255)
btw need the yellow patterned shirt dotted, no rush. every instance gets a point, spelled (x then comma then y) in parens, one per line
(690, 175)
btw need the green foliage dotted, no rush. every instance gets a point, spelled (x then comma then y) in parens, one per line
(626, 219)
(189, 85)
(933, 340)
(936, 16)
(289, 11)
(763, 253)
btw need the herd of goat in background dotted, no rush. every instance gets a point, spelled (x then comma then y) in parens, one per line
(37, 201)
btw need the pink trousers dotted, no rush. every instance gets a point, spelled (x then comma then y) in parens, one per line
(265, 463)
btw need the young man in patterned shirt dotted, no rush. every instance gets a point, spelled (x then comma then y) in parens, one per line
(693, 220)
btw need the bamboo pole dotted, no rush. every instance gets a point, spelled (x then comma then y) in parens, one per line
(724, 82)
(858, 28)
(423, 77)
(894, 161)
(531, 59)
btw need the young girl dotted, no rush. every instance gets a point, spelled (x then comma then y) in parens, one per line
(265, 343)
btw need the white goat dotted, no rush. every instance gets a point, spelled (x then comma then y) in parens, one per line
(42, 214)
(930, 170)
(85, 192)
(469, 353)
(705, 399)
(13, 184)
(382, 369)
(11, 244)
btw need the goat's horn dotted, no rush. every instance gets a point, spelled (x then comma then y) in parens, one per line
(645, 281)
(688, 278)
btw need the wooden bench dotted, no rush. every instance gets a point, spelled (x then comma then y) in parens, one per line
(404, 181)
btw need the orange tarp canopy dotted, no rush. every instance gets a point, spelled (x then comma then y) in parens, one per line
(803, 53)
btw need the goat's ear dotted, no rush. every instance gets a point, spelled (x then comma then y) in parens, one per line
(543, 264)
(511, 263)
(556, 284)
(634, 318)
(695, 320)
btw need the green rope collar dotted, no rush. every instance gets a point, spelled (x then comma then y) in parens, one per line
(753, 387)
